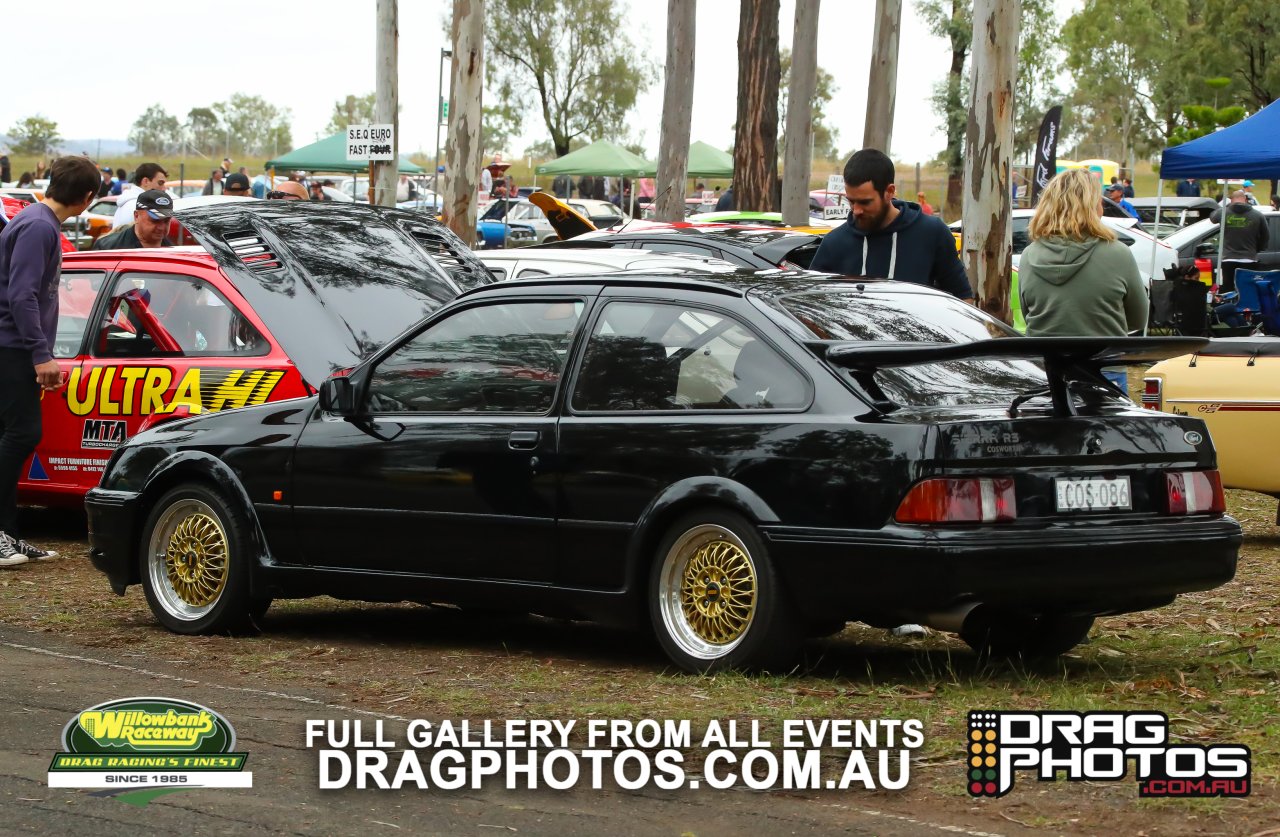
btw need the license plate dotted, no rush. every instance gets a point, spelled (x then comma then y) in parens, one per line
(1092, 493)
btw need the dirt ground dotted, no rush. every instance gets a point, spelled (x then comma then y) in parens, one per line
(1209, 661)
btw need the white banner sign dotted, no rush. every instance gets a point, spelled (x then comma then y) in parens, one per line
(835, 183)
(830, 213)
(135, 780)
(370, 142)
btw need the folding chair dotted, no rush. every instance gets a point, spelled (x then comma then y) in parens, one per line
(1260, 292)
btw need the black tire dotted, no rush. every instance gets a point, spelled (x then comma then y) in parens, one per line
(736, 614)
(194, 564)
(1000, 634)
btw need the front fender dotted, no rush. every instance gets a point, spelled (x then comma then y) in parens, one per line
(674, 501)
(198, 466)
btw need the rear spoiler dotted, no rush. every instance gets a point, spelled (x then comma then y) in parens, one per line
(1057, 353)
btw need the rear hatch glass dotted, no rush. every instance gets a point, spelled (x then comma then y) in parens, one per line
(843, 313)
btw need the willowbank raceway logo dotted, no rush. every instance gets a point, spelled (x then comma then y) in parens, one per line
(148, 743)
(1098, 747)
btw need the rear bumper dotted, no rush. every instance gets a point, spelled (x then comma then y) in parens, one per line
(112, 525)
(904, 571)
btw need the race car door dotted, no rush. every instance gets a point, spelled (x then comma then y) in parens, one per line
(449, 468)
(61, 464)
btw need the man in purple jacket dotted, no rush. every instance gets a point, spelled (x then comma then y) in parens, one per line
(30, 263)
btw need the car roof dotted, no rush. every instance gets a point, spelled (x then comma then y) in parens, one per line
(1174, 203)
(763, 284)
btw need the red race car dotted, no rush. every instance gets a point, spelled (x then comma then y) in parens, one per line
(280, 296)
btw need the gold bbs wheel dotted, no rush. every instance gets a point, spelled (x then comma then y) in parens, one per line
(188, 559)
(707, 591)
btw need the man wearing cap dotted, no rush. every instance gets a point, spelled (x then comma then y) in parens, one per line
(151, 215)
(1247, 188)
(316, 189)
(236, 185)
(1246, 234)
(1116, 192)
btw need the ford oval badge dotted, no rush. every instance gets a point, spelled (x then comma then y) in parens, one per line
(1192, 437)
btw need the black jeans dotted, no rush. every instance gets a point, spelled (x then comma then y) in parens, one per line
(1229, 274)
(19, 428)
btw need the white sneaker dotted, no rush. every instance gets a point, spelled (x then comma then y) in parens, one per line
(30, 551)
(10, 556)
(910, 629)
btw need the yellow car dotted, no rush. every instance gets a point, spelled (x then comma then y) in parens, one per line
(1234, 385)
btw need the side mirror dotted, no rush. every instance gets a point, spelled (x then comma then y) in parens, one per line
(1207, 248)
(337, 396)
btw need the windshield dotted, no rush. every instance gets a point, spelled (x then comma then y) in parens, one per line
(919, 318)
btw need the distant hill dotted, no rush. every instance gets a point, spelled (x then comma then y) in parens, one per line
(96, 147)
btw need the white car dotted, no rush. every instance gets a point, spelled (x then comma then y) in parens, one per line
(1151, 262)
(527, 263)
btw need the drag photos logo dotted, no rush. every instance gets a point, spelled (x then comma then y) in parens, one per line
(1098, 747)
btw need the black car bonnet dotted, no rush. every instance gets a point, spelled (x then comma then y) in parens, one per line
(333, 282)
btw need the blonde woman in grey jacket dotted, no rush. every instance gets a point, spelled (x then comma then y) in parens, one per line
(1075, 279)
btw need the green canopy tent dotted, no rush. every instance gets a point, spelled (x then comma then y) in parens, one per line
(601, 159)
(708, 161)
(330, 155)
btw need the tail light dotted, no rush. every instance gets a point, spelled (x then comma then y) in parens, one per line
(965, 500)
(1152, 392)
(1195, 492)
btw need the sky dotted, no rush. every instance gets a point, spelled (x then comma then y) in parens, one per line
(307, 55)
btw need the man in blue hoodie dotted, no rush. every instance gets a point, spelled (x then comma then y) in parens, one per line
(889, 238)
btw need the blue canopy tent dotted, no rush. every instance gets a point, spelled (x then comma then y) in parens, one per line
(1249, 148)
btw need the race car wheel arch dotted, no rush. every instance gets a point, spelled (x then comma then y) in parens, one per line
(195, 564)
(193, 467)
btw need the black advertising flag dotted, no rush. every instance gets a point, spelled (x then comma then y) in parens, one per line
(1046, 152)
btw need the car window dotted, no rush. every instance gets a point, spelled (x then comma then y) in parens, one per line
(530, 272)
(498, 273)
(1021, 237)
(1126, 240)
(534, 213)
(655, 356)
(102, 208)
(919, 318)
(169, 314)
(506, 357)
(579, 208)
(76, 294)
(517, 212)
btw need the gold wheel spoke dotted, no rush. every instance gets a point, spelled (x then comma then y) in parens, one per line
(717, 591)
(195, 559)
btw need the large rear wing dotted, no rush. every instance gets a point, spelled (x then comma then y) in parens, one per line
(1058, 354)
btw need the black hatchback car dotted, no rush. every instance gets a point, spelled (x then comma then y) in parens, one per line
(739, 461)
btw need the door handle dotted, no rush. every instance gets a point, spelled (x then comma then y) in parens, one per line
(523, 440)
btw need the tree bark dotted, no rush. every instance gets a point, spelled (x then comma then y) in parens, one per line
(956, 113)
(988, 210)
(386, 100)
(755, 145)
(677, 111)
(462, 173)
(882, 85)
(797, 159)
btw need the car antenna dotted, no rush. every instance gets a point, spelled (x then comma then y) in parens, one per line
(659, 197)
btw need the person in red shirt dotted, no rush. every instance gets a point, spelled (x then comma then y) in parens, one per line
(924, 203)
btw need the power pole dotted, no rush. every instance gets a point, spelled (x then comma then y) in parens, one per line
(882, 87)
(386, 101)
(677, 110)
(755, 140)
(988, 154)
(797, 154)
(462, 166)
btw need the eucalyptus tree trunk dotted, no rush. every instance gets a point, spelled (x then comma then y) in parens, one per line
(882, 85)
(386, 99)
(755, 142)
(463, 151)
(797, 150)
(677, 111)
(988, 210)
